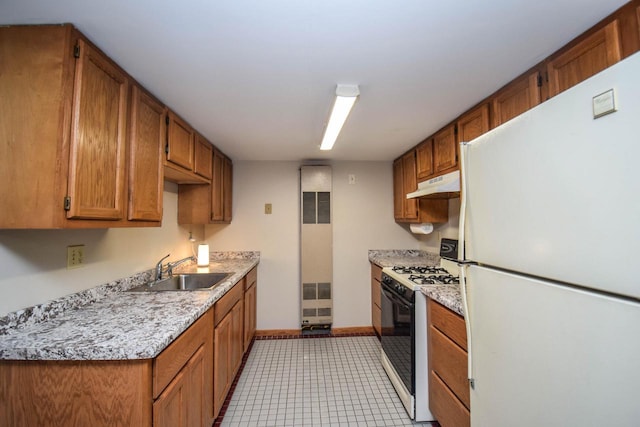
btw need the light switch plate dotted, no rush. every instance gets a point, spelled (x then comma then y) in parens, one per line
(75, 256)
(267, 208)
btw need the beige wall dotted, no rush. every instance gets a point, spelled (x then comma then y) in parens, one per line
(362, 220)
(431, 242)
(33, 262)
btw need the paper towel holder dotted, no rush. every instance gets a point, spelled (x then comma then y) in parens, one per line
(423, 228)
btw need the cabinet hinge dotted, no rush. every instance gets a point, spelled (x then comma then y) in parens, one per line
(546, 76)
(76, 51)
(166, 149)
(539, 80)
(67, 203)
(455, 129)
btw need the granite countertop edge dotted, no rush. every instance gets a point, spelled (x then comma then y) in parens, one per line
(107, 323)
(448, 295)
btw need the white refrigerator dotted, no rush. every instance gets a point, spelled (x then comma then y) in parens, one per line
(550, 250)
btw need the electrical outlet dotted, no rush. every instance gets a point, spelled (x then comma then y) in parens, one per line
(75, 256)
(267, 208)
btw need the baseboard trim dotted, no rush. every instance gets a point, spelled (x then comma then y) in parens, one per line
(277, 332)
(355, 331)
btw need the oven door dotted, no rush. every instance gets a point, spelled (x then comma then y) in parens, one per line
(398, 334)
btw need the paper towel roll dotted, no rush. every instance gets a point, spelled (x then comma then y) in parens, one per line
(424, 228)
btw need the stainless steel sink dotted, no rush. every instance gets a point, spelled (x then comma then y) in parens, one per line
(183, 282)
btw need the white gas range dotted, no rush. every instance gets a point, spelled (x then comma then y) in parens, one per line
(404, 327)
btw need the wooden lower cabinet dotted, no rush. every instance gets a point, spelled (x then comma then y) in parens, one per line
(376, 303)
(229, 346)
(185, 385)
(449, 399)
(182, 403)
(75, 393)
(250, 306)
(174, 389)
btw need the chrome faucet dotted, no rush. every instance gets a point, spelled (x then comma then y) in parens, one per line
(159, 268)
(171, 265)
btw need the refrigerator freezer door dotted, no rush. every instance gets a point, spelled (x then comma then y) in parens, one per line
(554, 193)
(550, 355)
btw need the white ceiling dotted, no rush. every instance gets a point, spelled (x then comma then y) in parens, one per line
(257, 77)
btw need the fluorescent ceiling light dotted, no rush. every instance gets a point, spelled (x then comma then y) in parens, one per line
(346, 96)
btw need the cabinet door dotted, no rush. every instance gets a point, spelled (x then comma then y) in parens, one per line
(514, 99)
(424, 159)
(473, 124)
(184, 402)
(217, 187)
(398, 196)
(180, 142)
(237, 337)
(203, 157)
(588, 57)
(227, 187)
(97, 147)
(221, 363)
(445, 154)
(250, 307)
(147, 135)
(409, 184)
(198, 401)
(169, 409)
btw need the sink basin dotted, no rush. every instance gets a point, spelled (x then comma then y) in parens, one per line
(183, 282)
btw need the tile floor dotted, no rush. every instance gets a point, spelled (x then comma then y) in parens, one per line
(315, 382)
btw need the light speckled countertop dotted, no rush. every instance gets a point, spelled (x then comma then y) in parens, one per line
(409, 258)
(115, 325)
(447, 295)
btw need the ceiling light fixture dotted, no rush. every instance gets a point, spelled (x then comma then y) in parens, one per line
(346, 96)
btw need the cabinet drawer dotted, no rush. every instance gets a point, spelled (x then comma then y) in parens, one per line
(251, 278)
(445, 406)
(450, 323)
(376, 272)
(449, 361)
(226, 303)
(168, 363)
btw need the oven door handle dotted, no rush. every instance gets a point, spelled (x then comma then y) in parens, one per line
(397, 299)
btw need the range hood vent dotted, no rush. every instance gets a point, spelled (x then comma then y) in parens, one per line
(443, 186)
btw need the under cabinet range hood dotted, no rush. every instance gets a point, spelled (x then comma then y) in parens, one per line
(444, 186)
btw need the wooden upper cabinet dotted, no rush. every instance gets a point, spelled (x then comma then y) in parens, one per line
(517, 97)
(409, 184)
(211, 203)
(66, 135)
(227, 189)
(398, 192)
(203, 157)
(424, 159)
(180, 142)
(147, 133)
(582, 60)
(445, 152)
(97, 147)
(217, 187)
(473, 124)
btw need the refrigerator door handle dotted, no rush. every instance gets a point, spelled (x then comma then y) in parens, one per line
(467, 323)
(464, 148)
(463, 200)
